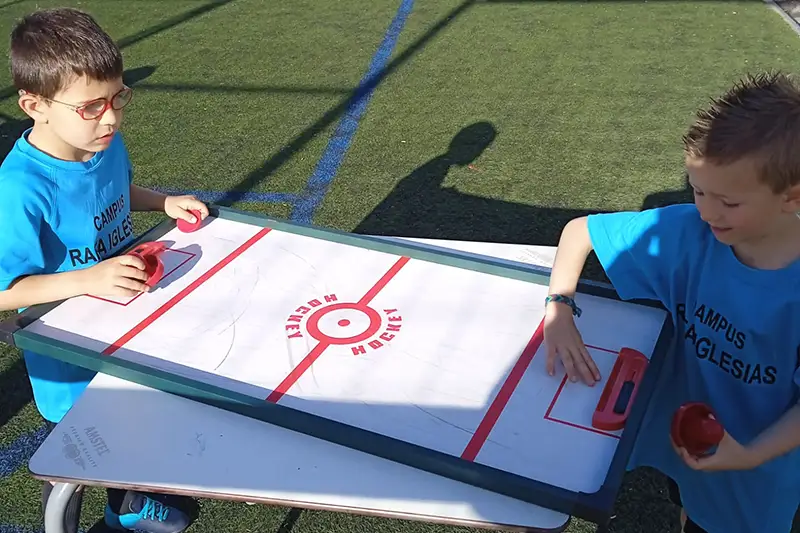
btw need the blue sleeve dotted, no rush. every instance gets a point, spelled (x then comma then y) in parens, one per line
(21, 219)
(641, 251)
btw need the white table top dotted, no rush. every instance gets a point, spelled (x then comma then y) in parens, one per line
(122, 434)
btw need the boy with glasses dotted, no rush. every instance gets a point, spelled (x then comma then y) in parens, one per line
(66, 196)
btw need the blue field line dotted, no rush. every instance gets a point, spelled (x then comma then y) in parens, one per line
(337, 147)
(8, 528)
(234, 196)
(16, 454)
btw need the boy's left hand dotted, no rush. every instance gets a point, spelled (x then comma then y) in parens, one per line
(178, 207)
(730, 455)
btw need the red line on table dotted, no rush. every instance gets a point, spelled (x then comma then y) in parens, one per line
(585, 428)
(378, 287)
(503, 396)
(141, 326)
(317, 351)
(601, 349)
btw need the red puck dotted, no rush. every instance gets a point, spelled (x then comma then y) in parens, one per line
(695, 428)
(188, 227)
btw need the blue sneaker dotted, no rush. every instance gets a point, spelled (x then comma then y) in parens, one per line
(141, 513)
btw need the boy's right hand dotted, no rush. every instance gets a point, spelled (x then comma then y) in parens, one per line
(563, 341)
(123, 275)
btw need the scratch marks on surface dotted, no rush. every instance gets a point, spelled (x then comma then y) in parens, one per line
(440, 419)
(234, 319)
(462, 429)
(469, 432)
(301, 258)
(232, 327)
(199, 445)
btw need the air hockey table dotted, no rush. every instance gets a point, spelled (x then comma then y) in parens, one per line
(374, 375)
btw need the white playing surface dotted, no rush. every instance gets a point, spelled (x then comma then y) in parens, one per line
(410, 349)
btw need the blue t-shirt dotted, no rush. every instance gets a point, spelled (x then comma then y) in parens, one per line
(58, 216)
(737, 348)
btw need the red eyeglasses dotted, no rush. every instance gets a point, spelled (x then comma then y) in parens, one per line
(96, 108)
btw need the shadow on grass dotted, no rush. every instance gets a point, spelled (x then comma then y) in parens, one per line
(420, 207)
(290, 520)
(16, 391)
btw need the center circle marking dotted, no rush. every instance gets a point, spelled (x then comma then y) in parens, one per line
(374, 323)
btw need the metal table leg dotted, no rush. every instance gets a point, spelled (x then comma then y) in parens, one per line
(57, 506)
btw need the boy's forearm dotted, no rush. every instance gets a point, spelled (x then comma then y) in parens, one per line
(45, 288)
(146, 200)
(779, 439)
(574, 247)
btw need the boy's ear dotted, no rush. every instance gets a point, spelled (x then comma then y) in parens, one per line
(32, 105)
(792, 199)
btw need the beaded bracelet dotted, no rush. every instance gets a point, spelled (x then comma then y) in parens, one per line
(564, 300)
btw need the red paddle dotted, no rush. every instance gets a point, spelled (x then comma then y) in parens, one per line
(623, 383)
(148, 253)
(695, 428)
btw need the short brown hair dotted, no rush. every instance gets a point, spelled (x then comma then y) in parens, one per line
(758, 117)
(50, 47)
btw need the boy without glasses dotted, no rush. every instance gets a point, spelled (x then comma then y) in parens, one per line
(728, 269)
(66, 196)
